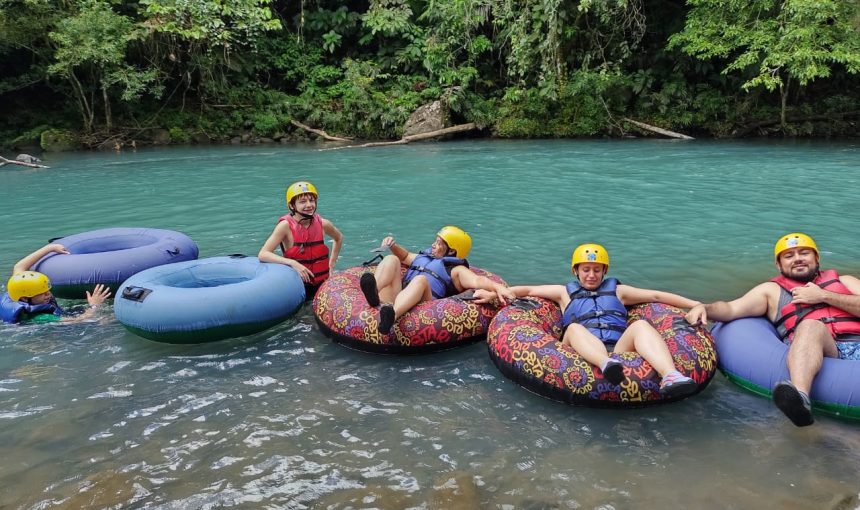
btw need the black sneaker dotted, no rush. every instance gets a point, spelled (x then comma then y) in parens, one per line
(614, 372)
(793, 403)
(386, 318)
(368, 288)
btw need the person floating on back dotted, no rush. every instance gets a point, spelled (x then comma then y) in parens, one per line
(28, 297)
(816, 312)
(300, 236)
(594, 319)
(438, 272)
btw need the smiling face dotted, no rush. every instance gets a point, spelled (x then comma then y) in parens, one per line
(305, 203)
(590, 274)
(800, 264)
(439, 248)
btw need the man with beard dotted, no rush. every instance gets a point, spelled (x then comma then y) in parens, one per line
(816, 312)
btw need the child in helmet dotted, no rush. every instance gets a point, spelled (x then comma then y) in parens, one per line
(28, 297)
(595, 319)
(437, 272)
(300, 235)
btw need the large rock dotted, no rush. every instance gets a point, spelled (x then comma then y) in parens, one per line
(59, 140)
(427, 118)
(26, 158)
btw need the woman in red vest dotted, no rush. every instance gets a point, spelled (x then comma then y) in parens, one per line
(300, 236)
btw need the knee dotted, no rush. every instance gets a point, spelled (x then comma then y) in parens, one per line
(639, 326)
(811, 330)
(575, 331)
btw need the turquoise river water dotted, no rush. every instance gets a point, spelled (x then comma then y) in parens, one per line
(92, 416)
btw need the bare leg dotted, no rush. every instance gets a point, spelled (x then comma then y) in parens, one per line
(592, 350)
(812, 341)
(388, 281)
(641, 337)
(417, 291)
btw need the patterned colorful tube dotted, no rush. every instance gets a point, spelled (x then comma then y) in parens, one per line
(344, 315)
(109, 256)
(752, 355)
(523, 340)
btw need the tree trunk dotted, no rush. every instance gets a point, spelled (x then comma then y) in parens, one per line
(108, 119)
(83, 104)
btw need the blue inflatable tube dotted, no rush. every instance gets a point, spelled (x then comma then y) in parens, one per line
(751, 354)
(208, 299)
(109, 256)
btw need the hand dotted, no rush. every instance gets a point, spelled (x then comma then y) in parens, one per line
(388, 242)
(505, 295)
(304, 272)
(697, 315)
(811, 294)
(98, 296)
(484, 297)
(57, 248)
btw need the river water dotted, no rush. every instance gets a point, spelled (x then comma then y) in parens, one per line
(92, 416)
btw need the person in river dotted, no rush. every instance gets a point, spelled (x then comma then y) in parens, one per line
(816, 312)
(437, 272)
(28, 297)
(594, 319)
(300, 236)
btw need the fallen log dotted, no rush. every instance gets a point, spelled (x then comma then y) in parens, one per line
(319, 132)
(4, 161)
(414, 138)
(655, 129)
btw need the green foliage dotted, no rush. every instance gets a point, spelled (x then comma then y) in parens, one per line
(179, 135)
(772, 41)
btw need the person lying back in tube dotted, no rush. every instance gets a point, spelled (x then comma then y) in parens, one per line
(816, 312)
(438, 272)
(28, 297)
(594, 319)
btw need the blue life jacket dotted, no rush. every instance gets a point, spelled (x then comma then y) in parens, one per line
(14, 311)
(599, 310)
(436, 269)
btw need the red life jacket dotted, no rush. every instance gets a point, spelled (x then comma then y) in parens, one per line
(308, 247)
(838, 321)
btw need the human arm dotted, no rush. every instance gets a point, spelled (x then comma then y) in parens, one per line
(493, 292)
(337, 242)
(752, 304)
(282, 234)
(634, 296)
(27, 262)
(406, 257)
(812, 294)
(95, 299)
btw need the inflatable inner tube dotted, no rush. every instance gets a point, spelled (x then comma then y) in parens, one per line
(524, 343)
(752, 355)
(343, 314)
(208, 299)
(109, 256)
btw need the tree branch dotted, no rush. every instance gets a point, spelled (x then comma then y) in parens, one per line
(655, 129)
(414, 138)
(4, 161)
(319, 132)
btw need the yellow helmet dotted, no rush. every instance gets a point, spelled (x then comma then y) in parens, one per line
(589, 253)
(27, 284)
(457, 240)
(793, 240)
(300, 188)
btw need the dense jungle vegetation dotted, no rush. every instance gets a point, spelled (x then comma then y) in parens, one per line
(200, 70)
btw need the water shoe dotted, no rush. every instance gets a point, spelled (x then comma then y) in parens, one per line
(675, 384)
(794, 403)
(613, 371)
(386, 318)
(368, 288)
